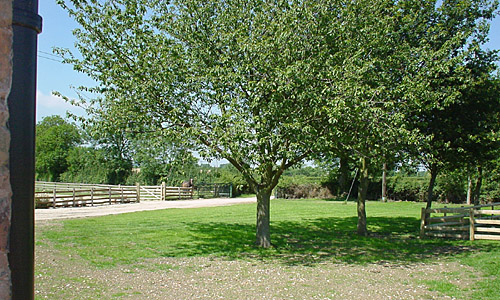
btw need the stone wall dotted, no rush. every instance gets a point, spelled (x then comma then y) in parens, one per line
(5, 191)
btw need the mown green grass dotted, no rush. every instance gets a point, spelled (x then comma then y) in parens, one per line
(304, 232)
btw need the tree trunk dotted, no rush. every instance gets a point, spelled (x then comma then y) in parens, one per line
(430, 189)
(479, 182)
(469, 190)
(384, 182)
(343, 176)
(363, 188)
(263, 218)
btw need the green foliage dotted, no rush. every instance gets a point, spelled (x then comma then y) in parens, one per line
(115, 148)
(303, 182)
(160, 159)
(299, 180)
(66, 153)
(451, 187)
(207, 71)
(90, 165)
(226, 76)
(228, 174)
(55, 138)
(461, 103)
(265, 84)
(408, 183)
(491, 188)
(306, 171)
(302, 191)
(86, 165)
(407, 188)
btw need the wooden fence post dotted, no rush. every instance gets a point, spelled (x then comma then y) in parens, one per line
(121, 193)
(423, 222)
(471, 228)
(179, 190)
(54, 198)
(74, 198)
(92, 196)
(109, 193)
(163, 191)
(138, 191)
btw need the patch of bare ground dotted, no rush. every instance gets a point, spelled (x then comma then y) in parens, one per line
(61, 276)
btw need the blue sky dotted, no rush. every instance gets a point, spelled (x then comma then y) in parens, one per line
(55, 76)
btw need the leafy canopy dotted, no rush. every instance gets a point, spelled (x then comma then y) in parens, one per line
(236, 78)
(55, 137)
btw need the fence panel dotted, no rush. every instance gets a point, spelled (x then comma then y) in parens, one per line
(61, 194)
(485, 224)
(471, 222)
(178, 193)
(214, 190)
(73, 195)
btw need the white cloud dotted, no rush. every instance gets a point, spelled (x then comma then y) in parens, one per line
(48, 105)
(51, 101)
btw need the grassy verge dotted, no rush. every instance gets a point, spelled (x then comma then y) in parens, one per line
(304, 232)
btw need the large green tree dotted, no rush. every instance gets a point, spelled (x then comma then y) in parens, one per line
(373, 99)
(458, 111)
(235, 78)
(464, 134)
(264, 84)
(405, 61)
(55, 137)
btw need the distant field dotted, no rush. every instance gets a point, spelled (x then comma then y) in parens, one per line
(208, 253)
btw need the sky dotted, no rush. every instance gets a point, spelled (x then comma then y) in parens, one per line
(53, 75)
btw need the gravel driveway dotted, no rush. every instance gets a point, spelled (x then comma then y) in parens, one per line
(102, 210)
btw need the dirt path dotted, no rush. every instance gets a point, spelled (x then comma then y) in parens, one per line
(102, 210)
(63, 276)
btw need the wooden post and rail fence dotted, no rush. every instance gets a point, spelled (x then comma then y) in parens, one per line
(479, 222)
(59, 194)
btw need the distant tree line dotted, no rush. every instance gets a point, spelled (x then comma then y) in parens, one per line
(69, 152)
(403, 183)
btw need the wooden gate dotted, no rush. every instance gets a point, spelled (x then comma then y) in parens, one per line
(473, 222)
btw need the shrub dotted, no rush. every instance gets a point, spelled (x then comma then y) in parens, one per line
(451, 187)
(302, 191)
(407, 188)
(302, 186)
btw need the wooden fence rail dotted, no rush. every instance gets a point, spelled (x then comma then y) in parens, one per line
(164, 193)
(59, 194)
(44, 185)
(473, 222)
(85, 196)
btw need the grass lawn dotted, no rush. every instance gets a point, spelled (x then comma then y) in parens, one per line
(304, 233)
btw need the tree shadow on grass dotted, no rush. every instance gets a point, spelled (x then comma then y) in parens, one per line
(392, 240)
